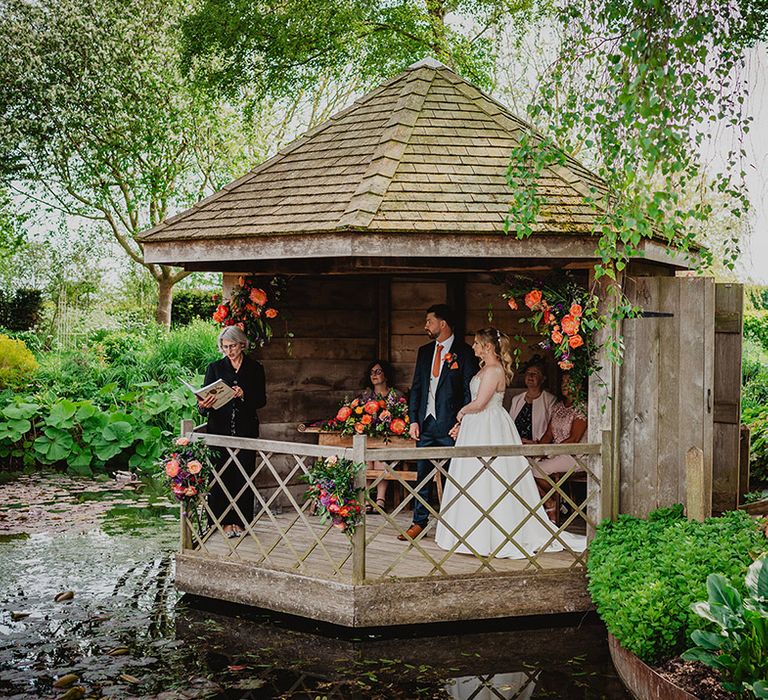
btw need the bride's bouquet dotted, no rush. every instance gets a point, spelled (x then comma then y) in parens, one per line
(374, 415)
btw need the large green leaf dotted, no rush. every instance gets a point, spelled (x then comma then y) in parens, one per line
(760, 689)
(757, 579)
(85, 411)
(20, 411)
(708, 640)
(54, 445)
(721, 592)
(704, 656)
(120, 432)
(62, 413)
(13, 430)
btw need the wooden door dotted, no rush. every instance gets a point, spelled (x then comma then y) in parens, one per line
(665, 390)
(726, 483)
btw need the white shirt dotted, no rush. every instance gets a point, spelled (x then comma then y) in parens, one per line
(433, 381)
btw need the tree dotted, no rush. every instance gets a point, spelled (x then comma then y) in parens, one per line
(98, 123)
(277, 48)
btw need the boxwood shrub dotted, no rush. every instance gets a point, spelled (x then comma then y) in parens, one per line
(644, 574)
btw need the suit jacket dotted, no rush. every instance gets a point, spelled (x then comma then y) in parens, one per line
(452, 388)
(238, 417)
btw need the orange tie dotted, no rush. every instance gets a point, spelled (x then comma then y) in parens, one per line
(436, 363)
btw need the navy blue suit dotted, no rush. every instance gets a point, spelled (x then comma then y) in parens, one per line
(451, 394)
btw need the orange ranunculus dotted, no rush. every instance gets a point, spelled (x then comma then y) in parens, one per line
(533, 298)
(172, 468)
(344, 413)
(382, 403)
(512, 303)
(565, 364)
(371, 407)
(557, 337)
(354, 402)
(570, 324)
(397, 426)
(194, 467)
(271, 313)
(359, 410)
(359, 427)
(258, 296)
(575, 341)
(366, 419)
(222, 311)
(344, 511)
(575, 310)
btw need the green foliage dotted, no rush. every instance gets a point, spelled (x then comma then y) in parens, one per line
(281, 49)
(756, 418)
(20, 310)
(332, 489)
(756, 327)
(114, 403)
(739, 647)
(17, 363)
(189, 304)
(645, 574)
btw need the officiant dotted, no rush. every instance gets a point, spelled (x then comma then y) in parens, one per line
(237, 418)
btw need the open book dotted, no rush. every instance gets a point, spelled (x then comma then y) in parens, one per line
(222, 391)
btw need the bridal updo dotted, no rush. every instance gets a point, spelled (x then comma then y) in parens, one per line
(502, 347)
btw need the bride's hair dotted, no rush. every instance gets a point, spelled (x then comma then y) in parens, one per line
(502, 348)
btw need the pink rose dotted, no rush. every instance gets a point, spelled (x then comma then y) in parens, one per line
(194, 467)
(172, 468)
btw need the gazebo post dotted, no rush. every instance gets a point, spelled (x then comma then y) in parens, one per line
(358, 539)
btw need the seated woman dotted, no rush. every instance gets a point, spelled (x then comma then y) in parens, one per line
(567, 425)
(378, 380)
(531, 409)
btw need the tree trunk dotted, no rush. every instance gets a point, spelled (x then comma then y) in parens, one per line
(164, 300)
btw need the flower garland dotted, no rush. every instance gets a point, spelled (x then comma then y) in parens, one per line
(188, 472)
(332, 490)
(377, 416)
(249, 309)
(567, 315)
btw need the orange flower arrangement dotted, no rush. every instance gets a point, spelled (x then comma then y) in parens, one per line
(380, 416)
(249, 308)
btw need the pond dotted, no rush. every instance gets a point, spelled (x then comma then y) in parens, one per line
(89, 611)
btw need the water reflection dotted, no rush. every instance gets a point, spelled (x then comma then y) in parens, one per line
(127, 633)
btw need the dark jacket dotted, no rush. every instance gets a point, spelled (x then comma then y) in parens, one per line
(452, 388)
(238, 417)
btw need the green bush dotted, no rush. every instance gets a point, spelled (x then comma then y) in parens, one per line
(645, 574)
(191, 304)
(756, 327)
(20, 310)
(17, 364)
(757, 421)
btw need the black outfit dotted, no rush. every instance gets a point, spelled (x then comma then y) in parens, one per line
(237, 418)
(451, 394)
(524, 421)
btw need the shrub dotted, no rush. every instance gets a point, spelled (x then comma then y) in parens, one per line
(20, 310)
(191, 304)
(756, 327)
(17, 363)
(645, 574)
(757, 421)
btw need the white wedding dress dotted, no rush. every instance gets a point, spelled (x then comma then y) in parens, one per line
(494, 426)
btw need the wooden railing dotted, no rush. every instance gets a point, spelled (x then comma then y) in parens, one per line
(285, 534)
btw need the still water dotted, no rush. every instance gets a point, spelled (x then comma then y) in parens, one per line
(126, 633)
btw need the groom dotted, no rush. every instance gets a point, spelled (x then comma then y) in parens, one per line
(439, 389)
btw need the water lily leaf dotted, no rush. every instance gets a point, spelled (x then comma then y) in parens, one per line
(66, 680)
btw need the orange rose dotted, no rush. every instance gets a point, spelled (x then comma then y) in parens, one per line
(222, 311)
(570, 324)
(359, 427)
(172, 468)
(512, 304)
(194, 467)
(533, 299)
(366, 419)
(557, 337)
(359, 410)
(575, 310)
(344, 413)
(271, 313)
(258, 296)
(575, 341)
(382, 404)
(397, 426)
(371, 407)
(565, 364)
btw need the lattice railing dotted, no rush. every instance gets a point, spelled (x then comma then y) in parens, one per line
(284, 534)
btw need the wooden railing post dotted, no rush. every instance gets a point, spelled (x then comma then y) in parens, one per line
(609, 486)
(358, 539)
(185, 536)
(187, 426)
(695, 486)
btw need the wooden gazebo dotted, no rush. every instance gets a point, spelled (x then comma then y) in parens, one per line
(398, 202)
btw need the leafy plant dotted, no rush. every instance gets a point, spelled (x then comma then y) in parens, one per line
(739, 647)
(645, 574)
(17, 363)
(189, 304)
(20, 310)
(757, 421)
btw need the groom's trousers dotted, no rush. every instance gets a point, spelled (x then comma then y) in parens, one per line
(427, 438)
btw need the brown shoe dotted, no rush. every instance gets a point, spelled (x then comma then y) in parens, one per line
(411, 533)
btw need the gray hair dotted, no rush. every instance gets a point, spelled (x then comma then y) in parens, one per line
(233, 334)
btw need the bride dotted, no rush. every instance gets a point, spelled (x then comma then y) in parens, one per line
(484, 421)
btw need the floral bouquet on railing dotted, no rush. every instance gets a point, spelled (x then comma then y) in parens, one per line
(332, 489)
(250, 309)
(377, 416)
(188, 471)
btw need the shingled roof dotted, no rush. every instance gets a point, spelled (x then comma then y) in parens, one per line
(425, 152)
